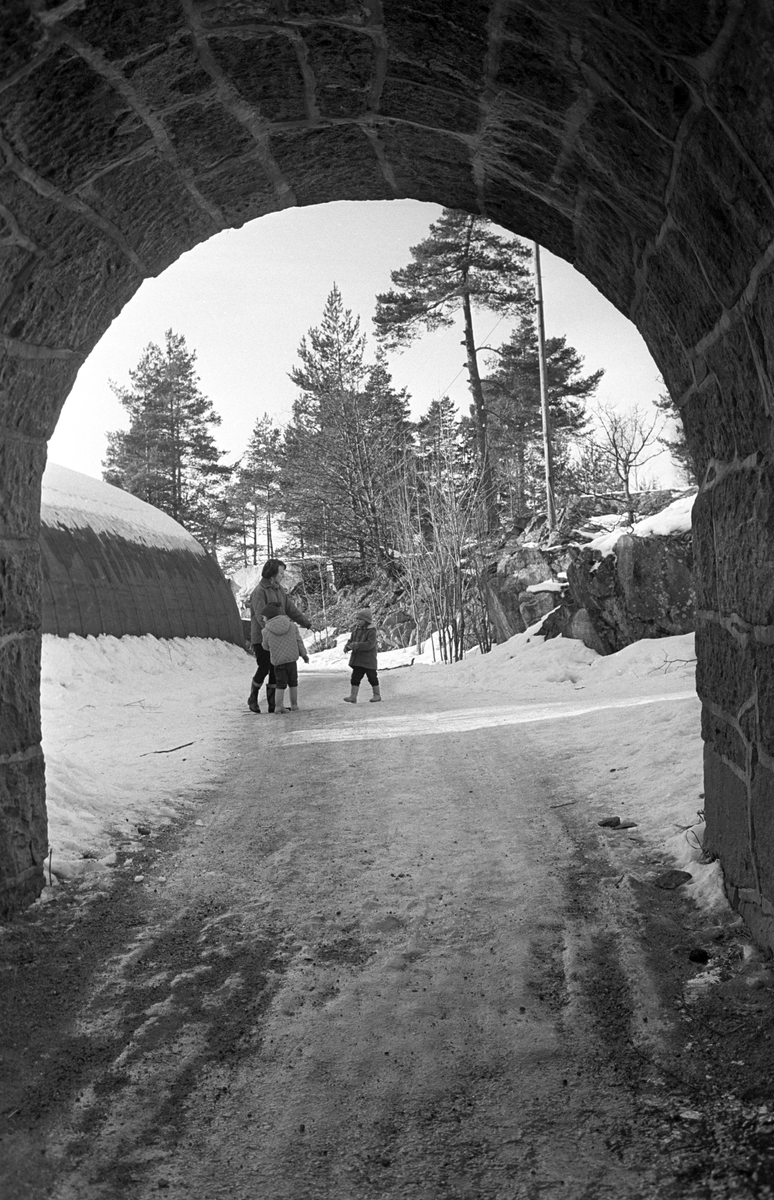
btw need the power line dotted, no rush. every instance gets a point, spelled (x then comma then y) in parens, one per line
(464, 365)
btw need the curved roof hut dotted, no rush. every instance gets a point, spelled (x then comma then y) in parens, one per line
(113, 564)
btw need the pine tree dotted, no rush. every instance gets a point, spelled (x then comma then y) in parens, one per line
(344, 439)
(461, 266)
(512, 397)
(253, 497)
(168, 456)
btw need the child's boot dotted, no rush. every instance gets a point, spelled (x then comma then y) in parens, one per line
(352, 697)
(279, 702)
(376, 696)
(293, 699)
(252, 700)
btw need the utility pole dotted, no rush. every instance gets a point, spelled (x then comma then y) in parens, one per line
(547, 452)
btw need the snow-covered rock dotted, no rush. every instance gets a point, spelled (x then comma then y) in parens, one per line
(638, 583)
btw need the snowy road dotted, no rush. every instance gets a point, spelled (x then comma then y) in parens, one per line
(373, 967)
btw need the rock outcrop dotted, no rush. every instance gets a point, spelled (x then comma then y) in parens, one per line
(643, 588)
(609, 592)
(519, 566)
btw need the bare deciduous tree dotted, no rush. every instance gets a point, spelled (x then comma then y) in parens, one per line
(438, 517)
(626, 439)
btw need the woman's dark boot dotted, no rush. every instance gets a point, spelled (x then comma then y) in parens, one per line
(270, 697)
(252, 700)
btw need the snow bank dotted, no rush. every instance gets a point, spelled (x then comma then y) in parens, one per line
(110, 706)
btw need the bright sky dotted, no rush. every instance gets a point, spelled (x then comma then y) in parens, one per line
(244, 299)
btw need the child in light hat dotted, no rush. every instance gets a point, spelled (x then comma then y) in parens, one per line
(281, 638)
(362, 659)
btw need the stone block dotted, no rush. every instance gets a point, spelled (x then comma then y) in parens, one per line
(19, 693)
(172, 72)
(255, 65)
(725, 670)
(722, 207)
(402, 99)
(630, 59)
(724, 738)
(427, 164)
(733, 528)
(535, 218)
(21, 471)
(528, 74)
(725, 811)
(40, 218)
(343, 62)
(678, 286)
(690, 31)
(738, 404)
(241, 191)
(329, 162)
(607, 241)
(19, 39)
(456, 33)
(764, 676)
(23, 832)
(32, 392)
(747, 92)
(668, 350)
(157, 215)
(708, 431)
(204, 134)
(133, 27)
(762, 827)
(759, 322)
(38, 314)
(20, 596)
(635, 184)
(53, 127)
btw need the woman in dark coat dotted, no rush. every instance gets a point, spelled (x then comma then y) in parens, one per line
(269, 591)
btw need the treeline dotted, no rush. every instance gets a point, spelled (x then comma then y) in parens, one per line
(351, 473)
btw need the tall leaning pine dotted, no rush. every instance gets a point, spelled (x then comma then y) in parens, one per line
(462, 266)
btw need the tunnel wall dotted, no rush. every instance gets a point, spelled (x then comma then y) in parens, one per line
(112, 564)
(634, 140)
(97, 583)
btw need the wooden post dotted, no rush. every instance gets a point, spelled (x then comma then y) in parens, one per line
(547, 452)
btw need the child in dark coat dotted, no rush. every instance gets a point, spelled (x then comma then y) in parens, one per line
(362, 659)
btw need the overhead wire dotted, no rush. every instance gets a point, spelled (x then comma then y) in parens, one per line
(487, 336)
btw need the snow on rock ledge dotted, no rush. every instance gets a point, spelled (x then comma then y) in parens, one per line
(638, 582)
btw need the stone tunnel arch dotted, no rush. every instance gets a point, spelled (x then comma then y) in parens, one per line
(634, 140)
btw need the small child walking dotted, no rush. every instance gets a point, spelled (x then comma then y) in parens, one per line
(362, 659)
(281, 638)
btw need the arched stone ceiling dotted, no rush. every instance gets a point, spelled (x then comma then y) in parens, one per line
(133, 129)
(632, 137)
